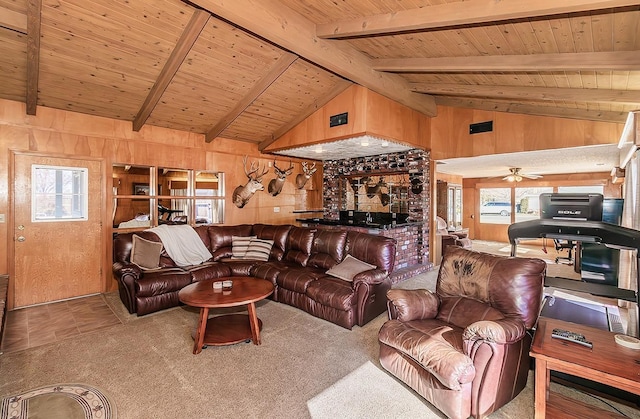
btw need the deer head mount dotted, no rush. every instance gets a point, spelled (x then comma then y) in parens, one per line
(275, 185)
(302, 179)
(243, 193)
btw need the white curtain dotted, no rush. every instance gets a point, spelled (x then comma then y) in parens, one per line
(627, 277)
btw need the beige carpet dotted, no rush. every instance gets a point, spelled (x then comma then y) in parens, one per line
(147, 368)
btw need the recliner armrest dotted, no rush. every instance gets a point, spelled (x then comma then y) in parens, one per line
(372, 276)
(406, 305)
(122, 268)
(503, 331)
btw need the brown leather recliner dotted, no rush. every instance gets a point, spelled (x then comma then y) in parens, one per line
(465, 348)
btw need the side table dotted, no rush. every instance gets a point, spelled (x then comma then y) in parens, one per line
(607, 363)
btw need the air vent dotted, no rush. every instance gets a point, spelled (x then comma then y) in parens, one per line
(481, 127)
(340, 119)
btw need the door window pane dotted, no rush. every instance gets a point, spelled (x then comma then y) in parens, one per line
(59, 193)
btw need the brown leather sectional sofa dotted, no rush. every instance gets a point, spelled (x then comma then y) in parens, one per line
(297, 266)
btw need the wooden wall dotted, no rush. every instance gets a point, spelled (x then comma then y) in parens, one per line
(66, 133)
(511, 133)
(369, 113)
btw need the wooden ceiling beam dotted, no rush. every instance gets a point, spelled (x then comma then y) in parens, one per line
(13, 20)
(34, 8)
(581, 61)
(276, 71)
(189, 36)
(278, 24)
(472, 12)
(338, 88)
(531, 93)
(528, 109)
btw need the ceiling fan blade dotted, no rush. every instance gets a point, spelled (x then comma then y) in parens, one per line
(528, 176)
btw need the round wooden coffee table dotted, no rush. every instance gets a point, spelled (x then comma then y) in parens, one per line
(228, 328)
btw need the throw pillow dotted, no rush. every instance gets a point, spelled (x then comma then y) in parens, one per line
(239, 246)
(145, 253)
(259, 249)
(349, 268)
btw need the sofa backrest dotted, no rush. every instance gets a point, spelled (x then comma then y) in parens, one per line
(220, 242)
(299, 244)
(328, 249)
(376, 250)
(475, 286)
(277, 233)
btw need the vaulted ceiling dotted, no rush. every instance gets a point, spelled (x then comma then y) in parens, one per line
(252, 69)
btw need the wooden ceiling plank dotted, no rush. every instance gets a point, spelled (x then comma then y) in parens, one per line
(609, 60)
(34, 7)
(471, 12)
(528, 109)
(531, 93)
(276, 71)
(13, 20)
(189, 36)
(291, 31)
(339, 87)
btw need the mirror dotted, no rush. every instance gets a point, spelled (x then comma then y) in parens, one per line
(376, 193)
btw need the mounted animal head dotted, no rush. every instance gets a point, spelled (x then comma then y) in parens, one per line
(302, 179)
(275, 186)
(243, 193)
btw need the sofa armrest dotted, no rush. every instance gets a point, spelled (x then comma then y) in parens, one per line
(372, 276)
(126, 268)
(503, 331)
(406, 305)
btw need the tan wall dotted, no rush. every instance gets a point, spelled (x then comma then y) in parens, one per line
(71, 134)
(512, 133)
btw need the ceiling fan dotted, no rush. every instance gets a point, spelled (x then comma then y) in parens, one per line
(517, 176)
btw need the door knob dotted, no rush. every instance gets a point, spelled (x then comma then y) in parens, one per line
(21, 238)
(20, 227)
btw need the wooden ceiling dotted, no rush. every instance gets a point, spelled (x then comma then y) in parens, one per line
(252, 69)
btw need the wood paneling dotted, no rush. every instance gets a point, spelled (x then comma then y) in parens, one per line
(369, 113)
(512, 132)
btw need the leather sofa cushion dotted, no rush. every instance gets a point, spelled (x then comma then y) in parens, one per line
(376, 250)
(162, 282)
(209, 270)
(332, 292)
(297, 279)
(463, 311)
(328, 248)
(299, 245)
(277, 233)
(447, 362)
(269, 270)
(220, 238)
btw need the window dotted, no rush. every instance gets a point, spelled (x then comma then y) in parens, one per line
(528, 203)
(495, 205)
(59, 193)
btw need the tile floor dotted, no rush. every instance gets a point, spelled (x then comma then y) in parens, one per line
(38, 325)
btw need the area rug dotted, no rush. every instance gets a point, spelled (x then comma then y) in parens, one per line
(370, 392)
(61, 401)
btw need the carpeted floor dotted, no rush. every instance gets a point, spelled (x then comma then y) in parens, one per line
(147, 368)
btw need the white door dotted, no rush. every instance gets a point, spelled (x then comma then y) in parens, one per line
(57, 228)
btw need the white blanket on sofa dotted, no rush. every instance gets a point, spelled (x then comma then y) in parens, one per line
(182, 244)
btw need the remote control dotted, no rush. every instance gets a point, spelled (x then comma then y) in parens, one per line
(571, 337)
